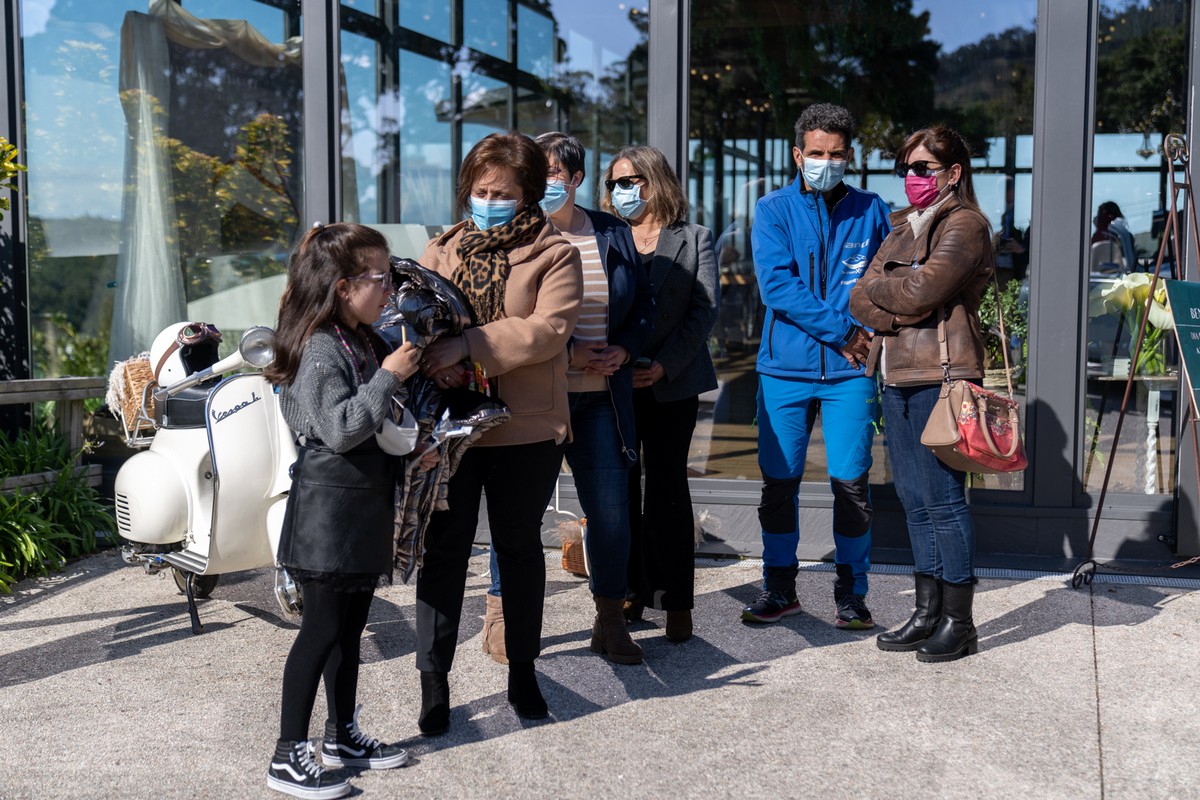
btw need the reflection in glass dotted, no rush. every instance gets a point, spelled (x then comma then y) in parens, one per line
(535, 42)
(182, 199)
(897, 68)
(430, 17)
(485, 26)
(415, 112)
(1141, 80)
(426, 162)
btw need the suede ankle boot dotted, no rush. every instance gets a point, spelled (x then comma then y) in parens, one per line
(610, 632)
(493, 630)
(523, 692)
(922, 623)
(955, 636)
(435, 704)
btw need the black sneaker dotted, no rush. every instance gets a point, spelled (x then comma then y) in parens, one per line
(346, 746)
(771, 607)
(293, 771)
(853, 614)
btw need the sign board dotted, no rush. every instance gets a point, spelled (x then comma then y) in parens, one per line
(1184, 297)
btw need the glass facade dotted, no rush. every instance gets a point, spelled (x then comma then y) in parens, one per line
(166, 147)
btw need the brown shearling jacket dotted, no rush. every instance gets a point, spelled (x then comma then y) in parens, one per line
(945, 270)
(525, 353)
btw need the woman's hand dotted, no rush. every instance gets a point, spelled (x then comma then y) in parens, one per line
(426, 455)
(648, 376)
(402, 362)
(858, 348)
(442, 362)
(605, 360)
(582, 353)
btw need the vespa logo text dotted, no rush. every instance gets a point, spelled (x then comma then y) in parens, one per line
(220, 415)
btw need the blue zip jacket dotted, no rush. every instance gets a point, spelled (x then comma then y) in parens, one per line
(806, 260)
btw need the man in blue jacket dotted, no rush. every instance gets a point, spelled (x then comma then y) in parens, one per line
(812, 241)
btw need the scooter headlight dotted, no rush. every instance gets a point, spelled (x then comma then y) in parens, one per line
(258, 346)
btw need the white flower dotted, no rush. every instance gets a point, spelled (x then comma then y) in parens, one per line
(1127, 294)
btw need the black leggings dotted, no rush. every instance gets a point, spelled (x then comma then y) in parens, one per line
(327, 645)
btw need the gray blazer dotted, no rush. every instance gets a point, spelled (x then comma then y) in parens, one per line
(687, 293)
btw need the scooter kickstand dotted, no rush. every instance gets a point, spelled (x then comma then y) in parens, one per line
(191, 598)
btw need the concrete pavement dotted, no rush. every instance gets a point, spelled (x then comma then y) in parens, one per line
(1074, 694)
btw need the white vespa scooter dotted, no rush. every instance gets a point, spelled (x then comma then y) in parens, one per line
(207, 496)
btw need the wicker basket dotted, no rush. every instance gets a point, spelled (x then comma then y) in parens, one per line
(572, 554)
(571, 533)
(130, 395)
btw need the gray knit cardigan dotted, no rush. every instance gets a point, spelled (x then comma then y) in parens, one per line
(327, 400)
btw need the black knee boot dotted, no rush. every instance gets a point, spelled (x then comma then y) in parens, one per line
(955, 636)
(924, 620)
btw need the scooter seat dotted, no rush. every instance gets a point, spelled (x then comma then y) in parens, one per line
(186, 409)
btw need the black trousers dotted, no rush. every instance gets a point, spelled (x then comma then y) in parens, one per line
(662, 553)
(519, 481)
(327, 646)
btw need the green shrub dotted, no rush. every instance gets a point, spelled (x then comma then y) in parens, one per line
(41, 527)
(35, 449)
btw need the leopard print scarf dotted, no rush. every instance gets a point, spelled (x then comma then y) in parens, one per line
(484, 264)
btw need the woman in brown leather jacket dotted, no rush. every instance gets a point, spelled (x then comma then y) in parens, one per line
(933, 266)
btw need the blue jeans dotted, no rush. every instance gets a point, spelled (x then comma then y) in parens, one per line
(601, 473)
(935, 502)
(787, 411)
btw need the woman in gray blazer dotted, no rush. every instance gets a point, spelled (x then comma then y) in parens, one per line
(674, 369)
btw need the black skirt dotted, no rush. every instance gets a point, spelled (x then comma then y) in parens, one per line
(340, 513)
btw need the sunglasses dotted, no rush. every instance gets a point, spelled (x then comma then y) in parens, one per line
(919, 168)
(626, 182)
(382, 280)
(195, 332)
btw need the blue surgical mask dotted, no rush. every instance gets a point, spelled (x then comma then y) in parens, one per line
(821, 175)
(555, 197)
(488, 213)
(628, 202)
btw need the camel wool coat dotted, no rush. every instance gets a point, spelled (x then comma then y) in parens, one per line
(525, 353)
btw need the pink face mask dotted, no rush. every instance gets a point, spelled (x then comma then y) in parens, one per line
(920, 191)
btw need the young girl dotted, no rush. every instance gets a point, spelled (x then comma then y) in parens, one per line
(336, 382)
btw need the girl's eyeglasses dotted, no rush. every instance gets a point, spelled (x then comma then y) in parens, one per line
(626, 182)
(382, 280)
(919, 168)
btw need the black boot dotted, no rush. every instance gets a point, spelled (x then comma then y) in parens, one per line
(435, 704)
(924, 620)
(523, 692)
(955, 636)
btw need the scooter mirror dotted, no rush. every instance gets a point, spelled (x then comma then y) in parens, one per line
(258, 346)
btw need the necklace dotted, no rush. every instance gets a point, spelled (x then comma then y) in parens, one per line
(646, 242)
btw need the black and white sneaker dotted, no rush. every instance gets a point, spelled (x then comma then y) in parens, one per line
(294, 771)
(346, 746)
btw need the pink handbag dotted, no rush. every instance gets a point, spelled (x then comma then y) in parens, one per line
(970, 428)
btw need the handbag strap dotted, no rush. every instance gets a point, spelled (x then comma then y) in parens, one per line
(944, 347)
